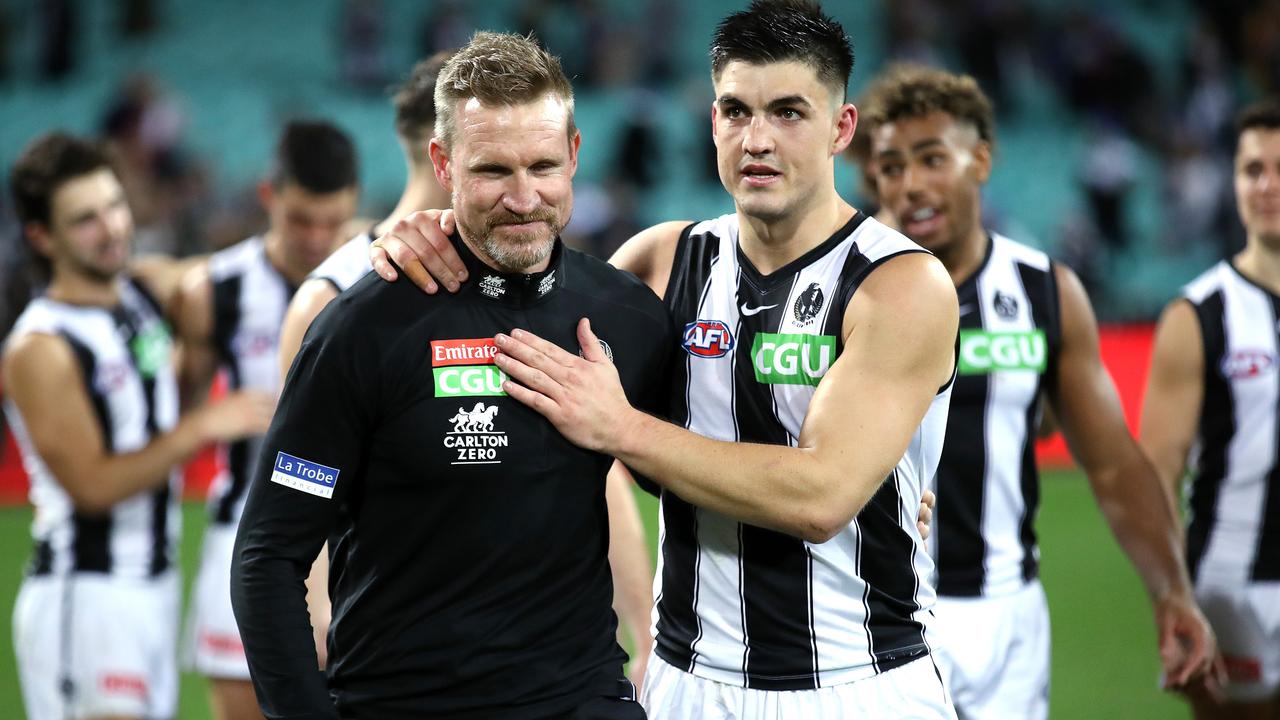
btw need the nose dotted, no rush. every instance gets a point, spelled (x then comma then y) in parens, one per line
(521, 196)
(912, 182)
(757, 140)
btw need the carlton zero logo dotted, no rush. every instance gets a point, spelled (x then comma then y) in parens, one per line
(474, 438)
(983, 352)
(707, 339)
(464, 368)
(792, 358)
(309, 477)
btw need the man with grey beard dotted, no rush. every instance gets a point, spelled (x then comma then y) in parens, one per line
(469, 538)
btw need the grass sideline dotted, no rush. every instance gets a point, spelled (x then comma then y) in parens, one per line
(1104, 652)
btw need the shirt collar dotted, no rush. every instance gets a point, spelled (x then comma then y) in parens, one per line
(514, 289)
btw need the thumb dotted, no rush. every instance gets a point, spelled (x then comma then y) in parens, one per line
(447, 221)
(590, 344)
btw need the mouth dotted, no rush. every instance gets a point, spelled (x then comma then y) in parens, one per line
(758, 175)
(922, 221)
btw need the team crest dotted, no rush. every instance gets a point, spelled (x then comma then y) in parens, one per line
(474, 440)
(808, 305)
(1006, 306)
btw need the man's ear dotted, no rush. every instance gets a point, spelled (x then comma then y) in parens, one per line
(441, 163)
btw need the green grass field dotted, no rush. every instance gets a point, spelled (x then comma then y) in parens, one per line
(1104, 653)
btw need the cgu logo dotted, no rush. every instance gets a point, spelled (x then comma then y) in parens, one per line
(792, 358)
(468, 381)
(983, 352)
(1245, 364)
(707, 339)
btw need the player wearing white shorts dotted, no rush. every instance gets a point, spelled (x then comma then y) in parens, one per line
(815, 368)
(229, 316)
(93, 403)
(1213, 408)
(1027, 331)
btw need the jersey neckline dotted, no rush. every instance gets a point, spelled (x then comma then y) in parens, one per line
(513, 289)
(786, 271)
(1230, 263)
(982, 266)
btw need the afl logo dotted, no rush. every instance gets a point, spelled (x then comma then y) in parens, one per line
(1245, 364)
(707, 339)
(809, 304)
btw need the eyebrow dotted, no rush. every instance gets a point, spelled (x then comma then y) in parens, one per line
(772, 104)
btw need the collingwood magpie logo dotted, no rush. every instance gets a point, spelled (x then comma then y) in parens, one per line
(1006, 306)
(474, 438)
(608, 351)
(808, 305)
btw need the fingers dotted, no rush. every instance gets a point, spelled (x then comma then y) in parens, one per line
(530, 377)
(590, 344)
(535, 400)
(929, 499)
(381, 265)
(534, 351)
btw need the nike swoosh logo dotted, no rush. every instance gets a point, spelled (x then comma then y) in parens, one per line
(749, 311)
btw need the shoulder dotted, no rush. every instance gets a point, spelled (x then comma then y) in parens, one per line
(879, 242)
(35, 354)
(1021, 253)
(374, 307)
(650, 253)
(602, 282)
(347, 264)
(235, 259)
(1206, 284)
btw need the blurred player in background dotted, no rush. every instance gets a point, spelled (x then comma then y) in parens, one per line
(1212, 403)
(228, 317)
(415, 123)
(93, 401)
(1026, 330)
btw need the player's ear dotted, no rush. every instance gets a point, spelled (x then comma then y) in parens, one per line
(40, 238)
(846, 125)
(982, 160)
(575, 142)
(266, 194)
(440, 162)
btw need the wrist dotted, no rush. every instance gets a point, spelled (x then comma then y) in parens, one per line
(629, 437)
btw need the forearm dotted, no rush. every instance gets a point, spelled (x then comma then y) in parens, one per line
(1136, 506)
(791, 490)
(98, 485)
(629, 559)
(268, 595)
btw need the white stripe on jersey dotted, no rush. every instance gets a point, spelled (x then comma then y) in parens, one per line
(1249, 323)
(346, 265)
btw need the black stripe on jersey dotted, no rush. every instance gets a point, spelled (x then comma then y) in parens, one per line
(678, 628)
(91, 535)
(1217, 428)
(1042, 291)
(962, 471)
(1266, 563)
(227, 314)
(888, 568)
(775, 567)
(131, 323)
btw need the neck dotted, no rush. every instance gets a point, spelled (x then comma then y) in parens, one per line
(77, 289)
(421, 192)
(1260, 263)
(275, 256)
(770, 245)
(963, 258)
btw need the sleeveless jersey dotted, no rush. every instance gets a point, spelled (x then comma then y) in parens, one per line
(124, 354)
(347, 264)
(753, 607)
(988, 482)
(1234, 531)
(249, 300)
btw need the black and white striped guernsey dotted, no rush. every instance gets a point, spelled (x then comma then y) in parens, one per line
(347, 264)
(1234, 531)
(988, 482)
(124, 354)
(249, 300)
(753, 607)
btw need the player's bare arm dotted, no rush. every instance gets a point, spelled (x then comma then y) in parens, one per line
(1175, 392)
(44, 381)
(312, 297)
(1126, 486)
(192, 311)
(899, 335)
(163, 275)
(631, 566)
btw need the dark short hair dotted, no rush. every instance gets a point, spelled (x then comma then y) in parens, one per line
(415, 103)
(44, 166)
(316, 156)
(779, 30)
(907, 91)
(1264, 115)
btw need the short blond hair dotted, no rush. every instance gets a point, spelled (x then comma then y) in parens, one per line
(498, 69)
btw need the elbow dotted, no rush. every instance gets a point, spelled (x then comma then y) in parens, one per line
(822, 524)
(89, 497)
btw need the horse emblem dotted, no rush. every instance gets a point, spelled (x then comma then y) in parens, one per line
(479, 419)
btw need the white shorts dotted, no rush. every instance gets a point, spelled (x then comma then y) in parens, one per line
(212, 645)
(1246, 620)
(994, 653)
(92, 645)
(911, 692)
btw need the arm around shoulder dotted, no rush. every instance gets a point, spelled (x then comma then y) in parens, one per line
(312, 297)
(650, 253)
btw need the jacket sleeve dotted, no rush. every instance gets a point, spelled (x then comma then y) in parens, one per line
(311, 463)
